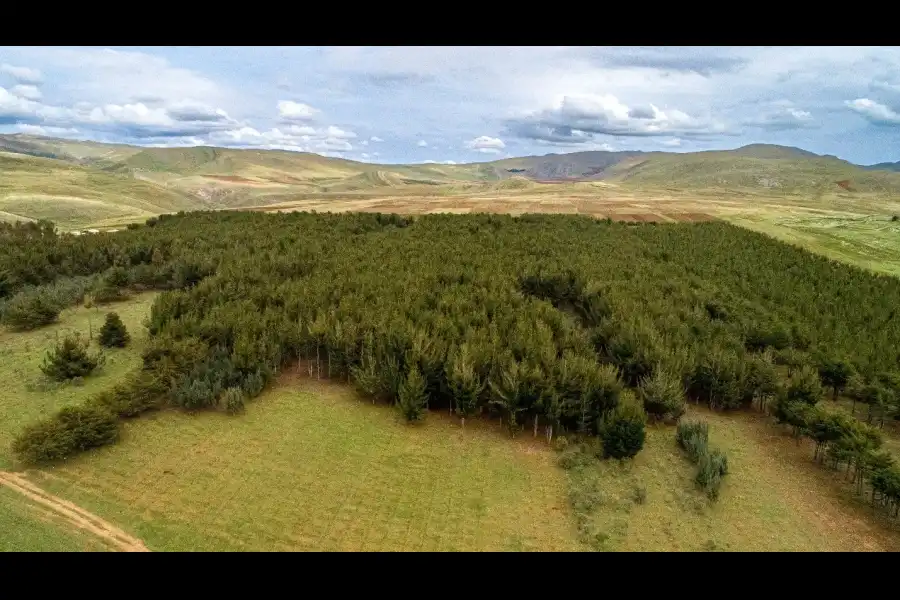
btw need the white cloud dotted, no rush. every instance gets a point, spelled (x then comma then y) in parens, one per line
(672, 143)
(577, 119)
(47, 131)
(875, 112)
(299, 139)
(29, 92)
(289, 110)
(486, 144)
(21, 74)
(422, 144)
(375, 139)
(439, 162)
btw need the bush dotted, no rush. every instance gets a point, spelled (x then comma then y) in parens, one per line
(622, 429)
(693, 437)
(411, 398)
(30, 311)
(711, 469)
(73, 429)
(233, 400)
(712, 464)
(70, 359)
(140, 392)
(662, 395)
(113, 333)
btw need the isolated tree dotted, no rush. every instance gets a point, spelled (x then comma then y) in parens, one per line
(622, 430)
(70, 359)
(113, 333)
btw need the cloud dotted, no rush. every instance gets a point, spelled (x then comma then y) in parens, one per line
(422, 144)
(288, 110)
(134, 120)
(375, 139)
(329, 139)
(439, 162)
(47, 131)
(672, 143)
(874, 112)
(486, 144)
(683, 59)
(22, 74)
(577, 119)
(784, 116)
(29, 92)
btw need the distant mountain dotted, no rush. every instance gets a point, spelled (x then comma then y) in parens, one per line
(885, 166)
(88, 182)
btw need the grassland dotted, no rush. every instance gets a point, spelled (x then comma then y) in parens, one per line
(27, 394)
(774, 498)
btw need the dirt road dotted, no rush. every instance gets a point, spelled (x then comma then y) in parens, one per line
(73, 515)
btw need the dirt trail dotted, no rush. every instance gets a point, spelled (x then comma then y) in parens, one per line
(73, 515)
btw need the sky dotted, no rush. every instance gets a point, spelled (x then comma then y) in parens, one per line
(460, 104)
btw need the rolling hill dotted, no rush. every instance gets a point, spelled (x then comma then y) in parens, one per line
(81, 184)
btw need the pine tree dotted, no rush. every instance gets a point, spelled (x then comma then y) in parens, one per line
(113, 332)
(70, 359)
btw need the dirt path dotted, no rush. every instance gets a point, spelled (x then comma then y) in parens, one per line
(73, 515)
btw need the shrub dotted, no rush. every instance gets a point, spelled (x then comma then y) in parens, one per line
(233, 400)
(712, 464)
(70, 359)
(711, 469)
(662, 395)
(622, 429)
(411, 398)
(140, 392)
(73, 429)
(30, 311)
(693, 437)
(113, 333)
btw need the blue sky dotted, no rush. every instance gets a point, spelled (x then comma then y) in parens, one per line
(460, 104)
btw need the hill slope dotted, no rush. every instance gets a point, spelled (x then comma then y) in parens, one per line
(88, 183)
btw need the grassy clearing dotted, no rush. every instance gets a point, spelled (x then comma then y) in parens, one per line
(311, 467)
(774, 498)
(28, 528)
(27, 395)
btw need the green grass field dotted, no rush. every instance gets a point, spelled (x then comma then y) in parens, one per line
(774, 497)
(311, 467)
(27, 395)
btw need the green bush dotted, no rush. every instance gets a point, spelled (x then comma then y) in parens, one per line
(113, 333)
(622, 429)
(70, 359)
(30, 311)
(712, 464)
(411, 398)
(71, 430)
(233, 400)
(140, 392)
(662, 395)
(711, 470)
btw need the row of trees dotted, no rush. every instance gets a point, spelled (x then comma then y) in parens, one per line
(543, 321)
